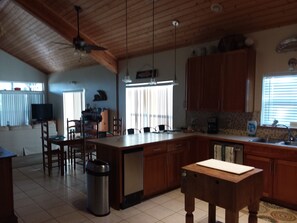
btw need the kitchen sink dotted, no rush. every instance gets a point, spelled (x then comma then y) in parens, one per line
(274, 141)
(289, 143)
(265, 140)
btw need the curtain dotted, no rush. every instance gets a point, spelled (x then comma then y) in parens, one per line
(15, 107)
(149, 106)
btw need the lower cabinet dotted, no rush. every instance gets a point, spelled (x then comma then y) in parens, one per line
(285, 183)
(280, 172)
(155, 169)
(162, 166)
(266, 165)
(176, 158)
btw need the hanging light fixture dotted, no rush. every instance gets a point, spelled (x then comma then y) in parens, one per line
(175, 23)
(127, 78)
(153, 78)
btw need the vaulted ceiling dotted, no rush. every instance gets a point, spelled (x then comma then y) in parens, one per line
(29, 29)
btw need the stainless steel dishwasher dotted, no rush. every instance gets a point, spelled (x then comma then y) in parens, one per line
(132, 177)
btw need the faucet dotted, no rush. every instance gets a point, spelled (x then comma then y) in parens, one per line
(290, 136)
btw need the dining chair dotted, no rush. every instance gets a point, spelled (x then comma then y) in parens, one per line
(74, 128)
(148, 129)
(51, 158)
(162, 127)
(90, 130)
(117, 126)
(131, 131)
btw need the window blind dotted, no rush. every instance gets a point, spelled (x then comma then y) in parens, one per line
(279, 99)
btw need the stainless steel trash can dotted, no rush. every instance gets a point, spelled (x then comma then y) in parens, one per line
(97, 187)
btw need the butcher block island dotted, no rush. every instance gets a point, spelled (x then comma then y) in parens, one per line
(160, 155)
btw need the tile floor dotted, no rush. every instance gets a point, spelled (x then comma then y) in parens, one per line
(39, 198)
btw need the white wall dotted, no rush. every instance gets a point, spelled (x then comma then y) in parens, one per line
(91, 79)
(13, 69)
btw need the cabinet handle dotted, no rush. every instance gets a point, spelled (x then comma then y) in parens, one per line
(178, 145)
(157, 149)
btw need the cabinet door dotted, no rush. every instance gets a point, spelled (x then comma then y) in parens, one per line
(285, 181)
(194, 69)
(210, 83)
(177, 155)
(175, 162)
(266, 165)
(238, 73)
(155, 169)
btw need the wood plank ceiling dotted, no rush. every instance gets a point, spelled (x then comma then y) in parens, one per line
(28, 29)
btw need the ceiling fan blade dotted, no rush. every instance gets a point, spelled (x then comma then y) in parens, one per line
(67, 44)
(89, 47)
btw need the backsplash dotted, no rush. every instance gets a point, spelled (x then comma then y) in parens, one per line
(235, 123)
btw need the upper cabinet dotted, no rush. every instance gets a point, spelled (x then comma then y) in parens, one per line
(221, 82)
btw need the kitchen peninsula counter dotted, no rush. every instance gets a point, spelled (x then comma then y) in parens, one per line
(166, 150)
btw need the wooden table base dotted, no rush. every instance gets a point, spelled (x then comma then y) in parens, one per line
(230, 191)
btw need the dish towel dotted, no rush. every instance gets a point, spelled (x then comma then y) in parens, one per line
(229, 154)
(218, 152)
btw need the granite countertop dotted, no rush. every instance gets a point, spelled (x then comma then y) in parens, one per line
(6, 154)
(127, 141)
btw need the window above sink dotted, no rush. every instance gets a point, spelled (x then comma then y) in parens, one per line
(279, 99)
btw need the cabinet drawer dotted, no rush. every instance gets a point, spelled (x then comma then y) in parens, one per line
(177, 145)
(155, 149)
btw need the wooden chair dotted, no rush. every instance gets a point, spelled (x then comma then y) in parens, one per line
(131, 131)
(148, 129)
(74, 128)
(117, 126)
(162, 127)
(90, 129)
(50, 157)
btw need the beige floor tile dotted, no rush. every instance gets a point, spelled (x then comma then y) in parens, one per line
(126, 213)
(61, 210)
(23, 202)
(111, 218)
(73, 217)
(37, 217)
(161, 199)
(174, 205)
(175, 218)
(28, 210)
(145, 205)
(159, 212)
(143, 218)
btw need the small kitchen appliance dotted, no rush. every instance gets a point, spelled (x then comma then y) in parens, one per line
(212, 125)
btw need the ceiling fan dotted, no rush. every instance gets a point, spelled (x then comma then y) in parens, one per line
(78, 42)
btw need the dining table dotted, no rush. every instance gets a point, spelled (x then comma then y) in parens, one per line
(62, 142)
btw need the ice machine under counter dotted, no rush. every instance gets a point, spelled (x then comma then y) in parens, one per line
(132, 177)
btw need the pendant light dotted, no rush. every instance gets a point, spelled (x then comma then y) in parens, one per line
(127, 78)
(153, 79)
(175, 23)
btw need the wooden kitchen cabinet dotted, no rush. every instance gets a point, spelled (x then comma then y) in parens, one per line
(193, 83)
(266, 165)
(221, 82)
(238, 78)
(155, 169)
(285, 183)
(177, 152)
(199, 150)
(279, 166)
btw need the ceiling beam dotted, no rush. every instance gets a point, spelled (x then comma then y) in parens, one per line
(66, 30)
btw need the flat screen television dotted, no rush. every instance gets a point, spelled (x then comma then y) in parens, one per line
(42, 112)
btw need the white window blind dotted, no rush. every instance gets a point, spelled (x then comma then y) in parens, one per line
(149, 106)
(279, 99)
(15, 106)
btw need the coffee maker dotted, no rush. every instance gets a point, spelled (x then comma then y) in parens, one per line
(212, 125)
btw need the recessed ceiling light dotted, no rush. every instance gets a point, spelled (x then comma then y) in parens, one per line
(216, 7)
